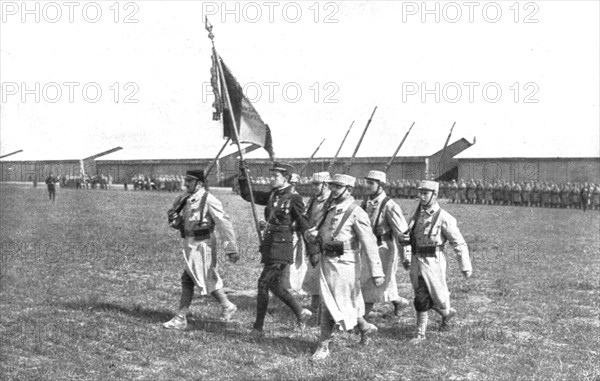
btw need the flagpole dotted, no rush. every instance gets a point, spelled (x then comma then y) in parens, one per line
(235, 128)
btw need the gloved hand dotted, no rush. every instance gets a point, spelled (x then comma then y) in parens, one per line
(378, 281)
(467, 274)
(262, 224)
(233, 257)
(314, 260)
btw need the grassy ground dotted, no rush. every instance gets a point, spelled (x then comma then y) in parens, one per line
(86, 283)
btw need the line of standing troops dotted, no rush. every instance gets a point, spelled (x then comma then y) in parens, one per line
(346, 256)
(534, 194)
(168, 183)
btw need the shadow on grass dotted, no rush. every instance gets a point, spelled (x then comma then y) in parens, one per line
(146, 314)
(274, 336)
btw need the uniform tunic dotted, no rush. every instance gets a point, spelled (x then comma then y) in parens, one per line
(391, 224)
(201, 254)
(433, 268)
(339, 277)
(301, 276)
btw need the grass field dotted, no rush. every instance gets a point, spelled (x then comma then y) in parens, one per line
(86, 283)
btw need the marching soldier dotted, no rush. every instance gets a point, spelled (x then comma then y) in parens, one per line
(283, 209)
(429, 229)
(555, 196)
(341, 232)
(315, 210)
(302, 275)
(388, 224)
(196, 215)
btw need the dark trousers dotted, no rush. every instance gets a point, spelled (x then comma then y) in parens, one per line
(52, 193)
(270, 280)
(423, 301)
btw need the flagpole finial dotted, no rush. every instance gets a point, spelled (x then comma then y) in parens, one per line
(208, 26)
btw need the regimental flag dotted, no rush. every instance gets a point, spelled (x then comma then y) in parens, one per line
(251, 128)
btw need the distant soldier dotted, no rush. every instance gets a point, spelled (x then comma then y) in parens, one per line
(507, 193)
(516, 194)
(586, 195)
(498, 198)
(526, 194)
(35, 181)
(429, 229)
(472, 192)
(444, 189)
(479, 191)
(462, 192)
(196, 215)
(565, 195)
(575, 196)
(405, 189)
(453, 190)
(283, 208)
(596, 197)
(555, 196)
(344, 229)
(488, 193)
(51, 184)
(535, 194)
(545, 195)
(388, 223)
(412, 189)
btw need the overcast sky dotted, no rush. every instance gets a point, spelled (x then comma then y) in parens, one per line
(520, 77)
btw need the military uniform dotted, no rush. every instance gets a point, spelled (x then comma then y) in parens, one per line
(301, 276)
(51, 184)
(430, 229)
(388, 224)
(343, 230)
(283, 209)
(196, 216)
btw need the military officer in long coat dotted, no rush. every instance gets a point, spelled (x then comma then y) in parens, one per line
(388, 224)
(342, 231)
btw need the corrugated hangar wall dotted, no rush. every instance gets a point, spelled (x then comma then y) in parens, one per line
(559, 170)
